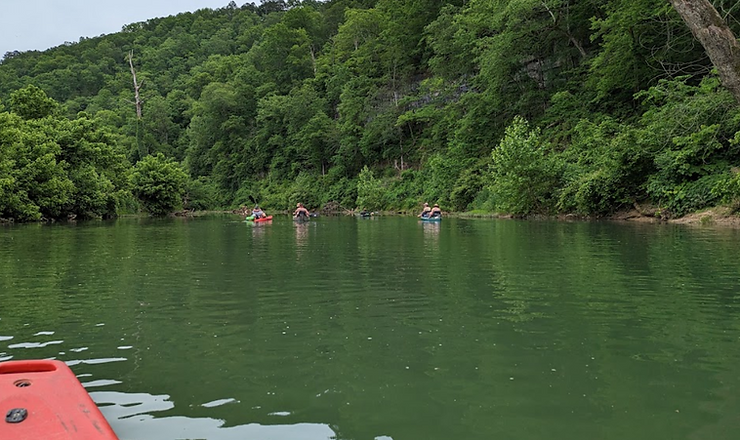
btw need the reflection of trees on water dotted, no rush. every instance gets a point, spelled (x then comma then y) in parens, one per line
(636, 300)
(625, 325)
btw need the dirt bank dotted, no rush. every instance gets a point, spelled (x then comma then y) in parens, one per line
(717, 216)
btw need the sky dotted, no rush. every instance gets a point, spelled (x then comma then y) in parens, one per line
(42, 24)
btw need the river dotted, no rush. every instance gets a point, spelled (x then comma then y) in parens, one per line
(384, 328)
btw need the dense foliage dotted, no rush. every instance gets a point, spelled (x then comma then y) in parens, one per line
(519, 106)
(159, 183)
(53, 167)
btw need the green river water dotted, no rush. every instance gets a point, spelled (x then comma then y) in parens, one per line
(384, 328)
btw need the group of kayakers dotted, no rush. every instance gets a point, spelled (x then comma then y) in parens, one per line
(301, 213)
(432, 212)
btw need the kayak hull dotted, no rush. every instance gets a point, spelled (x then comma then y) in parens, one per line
(263, 219)
(44, 400)
(431, 219)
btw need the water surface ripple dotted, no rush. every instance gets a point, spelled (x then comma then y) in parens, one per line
(384, 328)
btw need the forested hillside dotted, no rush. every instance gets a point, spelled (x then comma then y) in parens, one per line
(515, 106)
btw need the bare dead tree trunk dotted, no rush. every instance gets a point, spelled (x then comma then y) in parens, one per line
(137, 86)
(718, 40)
(313, 58)
(566, 31)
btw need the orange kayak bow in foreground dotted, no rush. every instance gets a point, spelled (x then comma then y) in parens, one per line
(42, 399)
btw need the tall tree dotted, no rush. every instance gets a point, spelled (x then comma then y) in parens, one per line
(717, 38)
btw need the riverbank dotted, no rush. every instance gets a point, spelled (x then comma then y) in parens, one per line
(723, 216)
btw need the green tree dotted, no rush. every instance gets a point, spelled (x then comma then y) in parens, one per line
(709, 27)
(159, 183)
(31, 102)
(284, 55)
(56, 168)
(370, 191)
(641, 42)
(524, 173)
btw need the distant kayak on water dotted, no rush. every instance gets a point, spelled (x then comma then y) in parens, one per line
(301, 217)
(262, 219)
(301, 214)
(431, 214)
(258, 220)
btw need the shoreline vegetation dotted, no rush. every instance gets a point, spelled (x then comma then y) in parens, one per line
(598, 109)
(719, 216)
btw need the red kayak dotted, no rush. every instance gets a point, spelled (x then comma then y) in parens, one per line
(42, 399)
(263, 219)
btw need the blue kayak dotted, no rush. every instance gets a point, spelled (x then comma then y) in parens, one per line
(436, 218)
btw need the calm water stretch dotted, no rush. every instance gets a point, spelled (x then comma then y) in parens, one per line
(384, 328)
